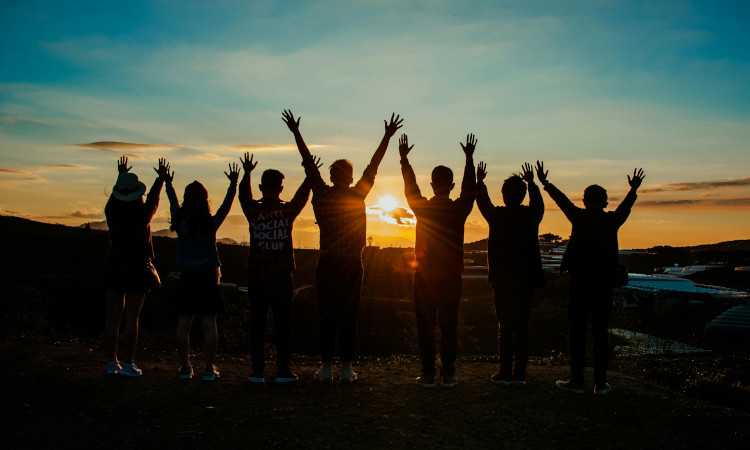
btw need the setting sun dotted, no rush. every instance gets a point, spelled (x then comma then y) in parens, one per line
(387, 203)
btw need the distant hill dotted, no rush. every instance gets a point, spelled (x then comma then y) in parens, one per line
(726, 246)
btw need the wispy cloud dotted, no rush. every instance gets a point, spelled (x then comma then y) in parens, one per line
(269, 147)
(68, 166)
(698, 185)
(117, 146)
(212, 156)
(15, 171)
(13, 119)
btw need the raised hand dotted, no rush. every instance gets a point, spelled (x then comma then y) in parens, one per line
(247, 164)
(288, 119)
(527, 173)
(540, 172)
(396, 123)
(637, 179)
(471, 145)
(122, 165)
(234, 172)
(481, 171)
(316, 161)
(163, 171)
(403, 146)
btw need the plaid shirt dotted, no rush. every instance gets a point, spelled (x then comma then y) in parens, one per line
(271, 250)
(340, 213)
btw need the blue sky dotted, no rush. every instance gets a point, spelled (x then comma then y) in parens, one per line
(593, 88)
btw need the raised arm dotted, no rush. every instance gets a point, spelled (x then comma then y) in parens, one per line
(312, 170)
(563, 202)
(365, 183)
(536, 203)
(623, 210)
(469, 182)
(226, 205)
(246, 188)
(152, 199)
(483, 197)
(413, 195)
(300, 198)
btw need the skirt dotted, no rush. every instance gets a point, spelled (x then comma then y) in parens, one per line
(127, 277)
(198, 293)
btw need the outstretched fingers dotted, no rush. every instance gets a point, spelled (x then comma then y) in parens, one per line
(481, 171)
(540, 172)
(316, 161)
(394, 125)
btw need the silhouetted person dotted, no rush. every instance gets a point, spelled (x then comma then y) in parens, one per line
(439, 252)
(127, 267)
(515, 265)
(340, 213)
(591, 260)
(198, 291)
(270, 265)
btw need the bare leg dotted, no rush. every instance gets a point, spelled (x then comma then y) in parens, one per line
(210, 338)
(115, 306)
(133, 305)
(183, 339)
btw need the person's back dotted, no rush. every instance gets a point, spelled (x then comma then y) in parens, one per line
(591, 260)
(593, 247)
(440, 234)
(513, 247)
(271, 221)
(341, 215)
(439, 259)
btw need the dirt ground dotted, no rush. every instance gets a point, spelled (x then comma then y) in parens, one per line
(56, 395)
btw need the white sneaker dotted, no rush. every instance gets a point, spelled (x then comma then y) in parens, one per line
(130, 370)
(324, 374)
(113, 367)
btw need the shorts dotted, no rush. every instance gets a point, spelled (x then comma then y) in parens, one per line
(198, 293)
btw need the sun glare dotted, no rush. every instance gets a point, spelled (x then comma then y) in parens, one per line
(387, 203)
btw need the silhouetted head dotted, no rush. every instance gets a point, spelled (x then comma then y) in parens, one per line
(195, 193)
(442, 180)
(514, 190)
(194, 211)
(595, 197)
(128, 188)
(270, 183)
(341, 173)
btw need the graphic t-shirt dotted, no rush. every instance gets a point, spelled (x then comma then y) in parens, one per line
(271, 251)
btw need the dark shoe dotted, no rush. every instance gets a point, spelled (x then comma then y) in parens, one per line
(288, 377)
(186, 372)
(603, 389)
(502, 379)
(210, 373)
(130, 370)
(449, 382)
(570, 386)
(113, 367)
(256, 377)
(426, 381)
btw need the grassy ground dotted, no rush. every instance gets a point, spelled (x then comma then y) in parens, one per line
(56, 394)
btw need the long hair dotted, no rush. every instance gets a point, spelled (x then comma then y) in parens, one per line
(194, 215)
